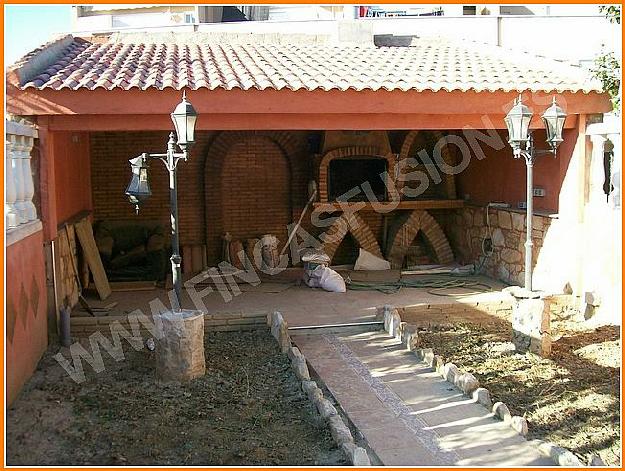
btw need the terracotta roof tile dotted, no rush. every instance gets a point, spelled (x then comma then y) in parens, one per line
(428, 64)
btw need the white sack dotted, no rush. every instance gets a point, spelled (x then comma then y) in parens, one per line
(332, 281)
(368, 261)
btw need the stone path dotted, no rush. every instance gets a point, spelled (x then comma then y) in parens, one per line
(408, 415)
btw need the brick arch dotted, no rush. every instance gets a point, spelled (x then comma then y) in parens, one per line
(214, 188)
(357, 227)
(448, 156)
(346, 153)
(419, 220)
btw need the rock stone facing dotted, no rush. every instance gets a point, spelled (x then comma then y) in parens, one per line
(180, 348)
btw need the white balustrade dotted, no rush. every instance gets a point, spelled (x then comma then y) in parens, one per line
(19, 187)
(12, 218)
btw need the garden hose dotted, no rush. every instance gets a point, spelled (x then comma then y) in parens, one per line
(435, 285)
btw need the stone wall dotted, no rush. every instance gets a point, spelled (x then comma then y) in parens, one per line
(467, 228)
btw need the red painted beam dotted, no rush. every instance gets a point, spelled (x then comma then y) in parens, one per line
(224, 122)
(279, 102)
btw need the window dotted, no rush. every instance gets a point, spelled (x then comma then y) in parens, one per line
(469, 10)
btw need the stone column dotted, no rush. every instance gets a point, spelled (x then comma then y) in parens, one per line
(12, 217)
(180, 346)
(531, 323)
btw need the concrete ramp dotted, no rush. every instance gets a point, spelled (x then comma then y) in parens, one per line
(408, 415)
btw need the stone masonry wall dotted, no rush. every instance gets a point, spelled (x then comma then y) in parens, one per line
(467, 227)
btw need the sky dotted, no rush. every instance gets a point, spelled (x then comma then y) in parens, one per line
(27, 27)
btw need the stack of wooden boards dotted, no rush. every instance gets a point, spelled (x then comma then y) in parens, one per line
(72, 275)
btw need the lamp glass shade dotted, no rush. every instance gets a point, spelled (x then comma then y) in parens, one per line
(184, 118)
(554, 118)
(518, 122)
(138, 190)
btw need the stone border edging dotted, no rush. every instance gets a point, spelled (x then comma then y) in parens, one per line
(83, 326)
(469, 386)
(341, 434)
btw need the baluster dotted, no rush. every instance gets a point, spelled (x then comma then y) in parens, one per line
(18, 177)
(29, 186)
(12, 218)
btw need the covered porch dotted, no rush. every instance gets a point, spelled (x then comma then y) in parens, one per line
(439, 138)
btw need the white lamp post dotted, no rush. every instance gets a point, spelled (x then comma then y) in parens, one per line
(520, 139)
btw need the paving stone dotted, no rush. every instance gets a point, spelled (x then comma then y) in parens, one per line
(294, 353)
(284, 340)
(450, 371)
(340, 431)
(559, 455)
(438, 364)
(519, 424)
(308, 387)
(325, 408)
(300, 368)
(501, 410)
(427, 355)
(360, 457)
(467, 383)
(595, 460)
(482, 396)
(356, 455)
(410, 337)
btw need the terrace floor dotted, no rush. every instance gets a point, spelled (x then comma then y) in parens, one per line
(303, 306)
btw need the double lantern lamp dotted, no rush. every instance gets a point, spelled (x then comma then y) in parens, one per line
(520, 139)
(138, 191)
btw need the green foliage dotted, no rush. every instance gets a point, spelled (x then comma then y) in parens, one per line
(612, 13)
(608, 70)
(607, 67)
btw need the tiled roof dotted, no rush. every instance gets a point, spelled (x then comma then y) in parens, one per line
(428, 64)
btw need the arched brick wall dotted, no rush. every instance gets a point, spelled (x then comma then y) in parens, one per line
(447, 154)
(419, 220)
(354, 224)
(266, 150)
(347, 153)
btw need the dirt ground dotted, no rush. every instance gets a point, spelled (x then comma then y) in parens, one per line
(247, 410)
(571, 399)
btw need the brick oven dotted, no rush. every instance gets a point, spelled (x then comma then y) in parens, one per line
(356, 167)
(351, 159)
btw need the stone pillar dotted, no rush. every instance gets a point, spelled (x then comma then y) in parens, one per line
(180, 346)
(531, 323)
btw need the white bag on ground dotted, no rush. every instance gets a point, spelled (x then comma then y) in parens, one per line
(368, 261)
(332, 281)
(313, 277)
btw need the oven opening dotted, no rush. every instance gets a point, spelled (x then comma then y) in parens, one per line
(346, 174)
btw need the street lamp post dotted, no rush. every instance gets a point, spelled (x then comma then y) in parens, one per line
(521, 140)
(184, 118)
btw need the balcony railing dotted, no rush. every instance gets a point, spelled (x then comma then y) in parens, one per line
(20, 213)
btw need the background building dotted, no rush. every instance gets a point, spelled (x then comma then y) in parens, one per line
(549, 30)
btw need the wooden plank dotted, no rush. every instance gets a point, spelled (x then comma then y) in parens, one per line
(67, 286)
(133, 285)
(365, 206)
(92, 255)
